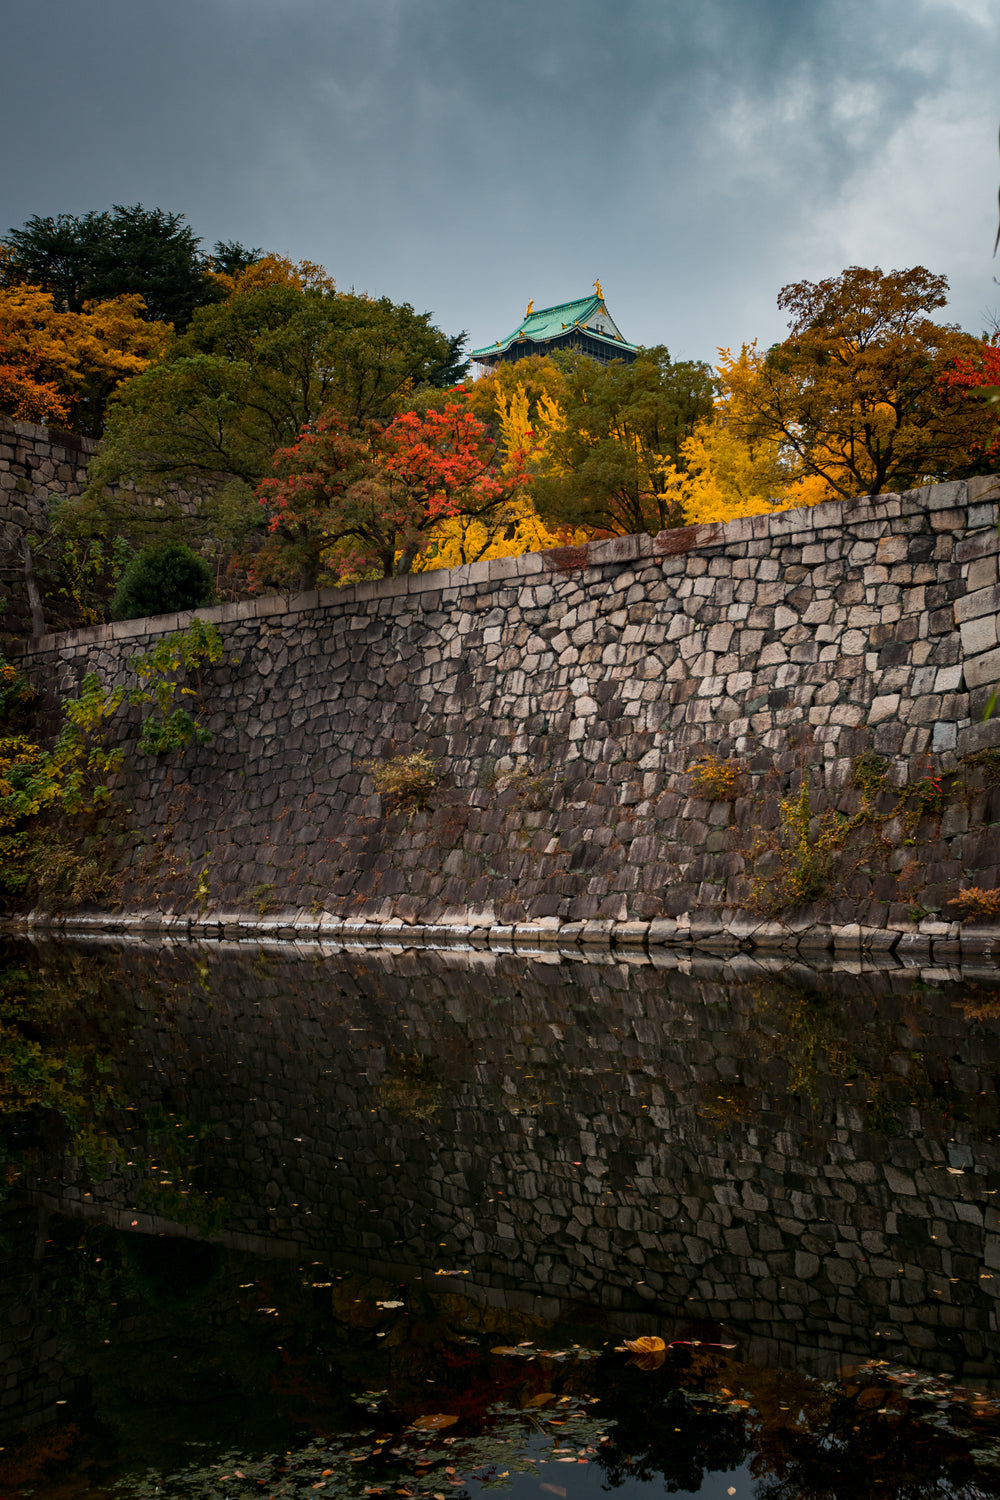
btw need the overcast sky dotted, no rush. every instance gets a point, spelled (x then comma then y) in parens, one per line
(465, 155)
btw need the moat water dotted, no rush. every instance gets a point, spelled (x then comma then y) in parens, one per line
(283, 1220)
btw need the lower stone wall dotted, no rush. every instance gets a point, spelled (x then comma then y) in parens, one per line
(836, 665)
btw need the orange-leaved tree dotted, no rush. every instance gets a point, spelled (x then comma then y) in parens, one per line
(23, 395)
(272, 270)
(82, 356)
(524, 420)
(351, 505)
(854, 394)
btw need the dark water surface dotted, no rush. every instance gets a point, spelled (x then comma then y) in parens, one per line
(292, 1220)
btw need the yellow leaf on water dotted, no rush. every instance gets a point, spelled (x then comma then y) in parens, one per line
(648, 1344)
(542, 1399)
(434, 1422)
(503, 1349)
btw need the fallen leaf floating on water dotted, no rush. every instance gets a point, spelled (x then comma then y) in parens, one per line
(648, 1344)
(542, 1399)
(435, 1422)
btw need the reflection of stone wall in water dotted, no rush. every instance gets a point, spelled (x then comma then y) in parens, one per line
(31, 1348)
(565, 695)
(815, 1167)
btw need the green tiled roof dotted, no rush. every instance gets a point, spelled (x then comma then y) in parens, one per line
(548, 323)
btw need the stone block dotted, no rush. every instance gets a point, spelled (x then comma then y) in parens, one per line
(971, 606)
(984, 670)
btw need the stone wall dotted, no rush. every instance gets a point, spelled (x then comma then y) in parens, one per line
(38, 467)
(566, 696)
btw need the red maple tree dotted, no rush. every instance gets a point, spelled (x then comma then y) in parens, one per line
(978, 379)
(364, 506)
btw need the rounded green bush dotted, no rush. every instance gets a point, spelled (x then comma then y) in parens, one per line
(162, 579)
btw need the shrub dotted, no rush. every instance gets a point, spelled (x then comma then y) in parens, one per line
(715, 779)
(162, 579)
(977, 905)
(405, 780)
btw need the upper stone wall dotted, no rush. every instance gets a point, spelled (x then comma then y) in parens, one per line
(40, 466)
(566, 694)
(37, 465)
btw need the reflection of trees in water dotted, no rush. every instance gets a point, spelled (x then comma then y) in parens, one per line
(834, 1045)
(57, 1036)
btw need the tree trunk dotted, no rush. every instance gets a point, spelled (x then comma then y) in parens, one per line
(31, 585)
(406, 558)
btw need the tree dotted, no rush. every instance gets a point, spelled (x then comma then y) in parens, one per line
(161, 579)
(124, 251)
(75, 361)
(537, 377)
(854, 394)
(244, 381)
(453, 367)
(238, 274)
(23, 395)
(729, 474)
(611, 464)
(977, 378)
(363, 505)
(230, 258)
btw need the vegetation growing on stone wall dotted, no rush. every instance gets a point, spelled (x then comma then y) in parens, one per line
(977, 905)
(804, 857)
(404, 782)
(716, 779)
(163, 673)
(58, 828)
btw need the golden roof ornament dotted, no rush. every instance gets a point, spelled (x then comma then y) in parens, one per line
(530, 308)
(597, 289)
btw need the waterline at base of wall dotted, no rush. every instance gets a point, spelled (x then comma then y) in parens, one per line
(929, 942)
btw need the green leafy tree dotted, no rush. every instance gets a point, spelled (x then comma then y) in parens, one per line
(248, 376)
(453, 368)
(611, 461)
(230, 258)
(95, 257)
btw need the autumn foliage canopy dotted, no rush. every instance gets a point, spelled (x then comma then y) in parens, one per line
(364, 503)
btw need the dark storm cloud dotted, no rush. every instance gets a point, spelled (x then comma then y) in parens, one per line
(468, 156)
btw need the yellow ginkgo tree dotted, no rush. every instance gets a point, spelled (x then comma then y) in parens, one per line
(731, 470)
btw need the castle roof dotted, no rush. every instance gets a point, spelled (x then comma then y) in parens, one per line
(548, 325)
